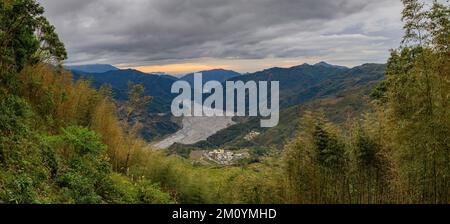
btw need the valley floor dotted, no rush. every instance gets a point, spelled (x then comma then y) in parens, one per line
(196, 129)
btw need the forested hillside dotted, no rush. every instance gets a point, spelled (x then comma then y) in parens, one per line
(61, 139)
(155, 118)
(341, 93)
(157, 86)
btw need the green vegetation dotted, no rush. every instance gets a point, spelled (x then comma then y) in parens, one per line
(156, 120)
(61, 140)
(400, 152)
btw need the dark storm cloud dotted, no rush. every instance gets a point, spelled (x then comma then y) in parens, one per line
(148, 31)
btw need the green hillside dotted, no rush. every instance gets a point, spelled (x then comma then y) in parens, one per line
(339, 92)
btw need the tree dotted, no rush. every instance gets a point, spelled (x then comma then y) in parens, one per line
(316, 163)
(414, 17)
(137, 102)
(370, 165)
(135, 105)
(26, 37)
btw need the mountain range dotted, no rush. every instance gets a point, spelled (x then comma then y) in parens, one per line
(220, 75)
(93, 68)
(342, 89)
(338, 93)
(157, 120)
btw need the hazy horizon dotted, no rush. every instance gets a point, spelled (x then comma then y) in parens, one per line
(215, 68)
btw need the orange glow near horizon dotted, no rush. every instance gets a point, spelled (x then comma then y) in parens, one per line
(238, 65)
(179, 68)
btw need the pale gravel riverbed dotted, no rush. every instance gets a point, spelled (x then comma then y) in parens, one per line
(196, 129)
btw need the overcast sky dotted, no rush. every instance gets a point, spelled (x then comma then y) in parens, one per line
(180, 36)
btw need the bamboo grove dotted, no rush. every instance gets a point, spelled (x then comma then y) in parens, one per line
(399, 153)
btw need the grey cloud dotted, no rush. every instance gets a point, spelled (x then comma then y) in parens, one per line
(144, 31)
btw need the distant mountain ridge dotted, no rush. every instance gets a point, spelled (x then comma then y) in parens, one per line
(325, 64)
(92, 68)
(220, 75)
(297, 82)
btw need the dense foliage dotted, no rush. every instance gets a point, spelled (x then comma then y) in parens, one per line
(399, 153)
(61, 140)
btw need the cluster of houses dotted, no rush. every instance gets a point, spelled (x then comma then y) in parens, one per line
(220, 156)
